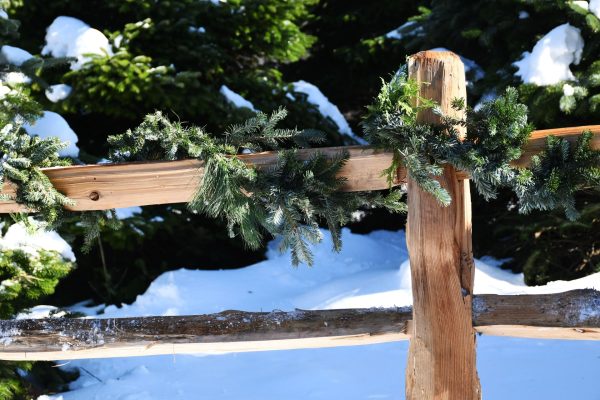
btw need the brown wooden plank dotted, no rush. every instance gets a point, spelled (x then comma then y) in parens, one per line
(537, 140)
(570, 315)
(167, 182)
(441, 358)
(101, 187)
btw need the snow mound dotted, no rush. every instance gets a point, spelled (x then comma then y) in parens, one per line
(17, 237)
(71, 37)
(326, 108)
(549, 61)
(15, 55)
(56, 93)
(52, 124)
(236, 99)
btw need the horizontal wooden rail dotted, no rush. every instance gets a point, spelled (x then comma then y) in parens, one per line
(105, 186)
(569, 315)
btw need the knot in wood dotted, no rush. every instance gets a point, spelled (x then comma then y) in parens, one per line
(94, 196)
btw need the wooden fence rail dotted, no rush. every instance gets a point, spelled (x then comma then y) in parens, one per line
(569, 315)
(105, 186)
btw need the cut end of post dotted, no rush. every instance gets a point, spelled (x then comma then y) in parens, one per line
(435, 55)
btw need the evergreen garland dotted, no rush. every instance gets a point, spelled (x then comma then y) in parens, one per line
(495, 135)
(287, 200)
(23, 157)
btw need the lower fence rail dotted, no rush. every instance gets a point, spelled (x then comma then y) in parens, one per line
(569, 315)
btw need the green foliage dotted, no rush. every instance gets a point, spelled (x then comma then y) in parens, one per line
(26, 277)
(24, 156)
(495, 135)
(288, 199)
(242, 44)
(557, 173)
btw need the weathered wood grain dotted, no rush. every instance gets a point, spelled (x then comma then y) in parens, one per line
(228, 331)
(571, 315)
(441, 358)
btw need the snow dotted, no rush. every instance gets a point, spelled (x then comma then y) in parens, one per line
(15, 55)
(326, 108)
(197, 29)
(52, 124)
(410, 28)
(236, 99)
(568, 90)
(71, 37)
(17, 237)
(366, 273)
(56, 93)
(594, 7)
(15, 78)
(549, 61)
(127, 212)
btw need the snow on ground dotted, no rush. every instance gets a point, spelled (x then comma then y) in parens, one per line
(56, 93)
(71, 37)
(370, 271)
(236, 99)
(52, 124)
(326, 108)
(549, 61)
(15, 55)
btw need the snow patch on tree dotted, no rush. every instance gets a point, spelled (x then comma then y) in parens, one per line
(18, 237)
(14, 55)
(71, 37)
(236, 99)
(326, 108)
(15, 78)
(549, 61)
(583, 4)
(127, 212)
(594, 7)
(52, 124)
(56, 93)
(410, 28)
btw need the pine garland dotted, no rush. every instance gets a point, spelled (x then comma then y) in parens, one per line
(288, 200)
(495, 135)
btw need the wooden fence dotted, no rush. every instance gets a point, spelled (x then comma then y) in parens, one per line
(441, 326)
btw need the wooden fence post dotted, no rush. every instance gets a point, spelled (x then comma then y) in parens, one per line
(441, 363)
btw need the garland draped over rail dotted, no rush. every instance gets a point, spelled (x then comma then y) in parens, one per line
(290, 199)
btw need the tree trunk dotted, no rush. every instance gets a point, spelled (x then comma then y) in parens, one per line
(441, 362)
